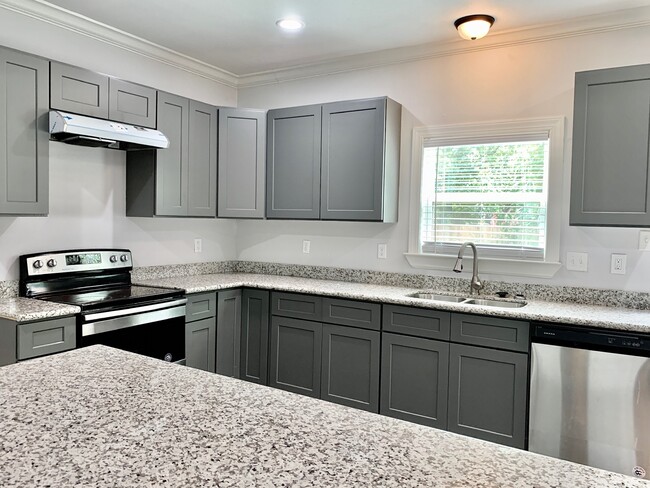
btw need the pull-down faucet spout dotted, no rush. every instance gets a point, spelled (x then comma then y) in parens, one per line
(458, 267)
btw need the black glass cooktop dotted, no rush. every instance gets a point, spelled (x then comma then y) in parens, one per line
(114, 297)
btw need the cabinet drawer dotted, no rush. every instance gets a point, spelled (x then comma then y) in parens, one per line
(295, 305)
(418, 322)
(78, 90)
(490, 331)
(200, 306)
(352, 313)
(46, 337)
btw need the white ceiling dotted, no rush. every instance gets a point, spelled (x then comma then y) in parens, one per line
(240, 36)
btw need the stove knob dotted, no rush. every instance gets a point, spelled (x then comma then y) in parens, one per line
(51, 263)
(38, 264)
(113, 258)
(124, 258)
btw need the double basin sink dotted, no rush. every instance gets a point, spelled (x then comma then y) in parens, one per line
(468, 301)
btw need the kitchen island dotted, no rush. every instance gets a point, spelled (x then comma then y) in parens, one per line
(99, 417)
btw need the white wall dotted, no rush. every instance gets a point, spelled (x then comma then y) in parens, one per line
(531, 80)
(87, 185)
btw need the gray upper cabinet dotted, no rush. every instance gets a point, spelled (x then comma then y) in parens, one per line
(85, 92)
(179, 181)
(610, 172)
(338, 161)
(24, 136)
(242, 161)
(131, 103)
(78, 90)
(360, 160)
(293, 163)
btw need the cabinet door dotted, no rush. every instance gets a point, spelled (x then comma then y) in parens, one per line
(255, 336)
(296, 355)
(242, 160)
(24, 136)
(487, 394)
(414, 376)
(172, 168)
(293, 161)
(350, 373)
(202, 169)
(200, 344)
(610, 172)
(352, 171)
(131, 103)
(78, 90)
(228, 332)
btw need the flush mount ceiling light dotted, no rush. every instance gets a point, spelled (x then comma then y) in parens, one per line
(290, 24)
(472, 27)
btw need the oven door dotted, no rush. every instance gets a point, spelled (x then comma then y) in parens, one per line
(156, 330)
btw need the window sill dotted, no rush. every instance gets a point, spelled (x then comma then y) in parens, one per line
(508, 267)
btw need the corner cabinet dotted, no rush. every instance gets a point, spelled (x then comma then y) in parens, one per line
(610, 172)
(179, 181)
(24, 136)
(242, 161)
(337, 161)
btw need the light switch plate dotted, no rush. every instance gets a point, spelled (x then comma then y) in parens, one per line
(577, 261)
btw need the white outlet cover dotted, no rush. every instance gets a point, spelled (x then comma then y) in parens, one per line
(198, 245)
(382, 251)
(618, 264)
(644, 240)
(306, 246)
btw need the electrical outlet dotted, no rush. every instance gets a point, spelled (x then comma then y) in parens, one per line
(618, 263)
(382, 251)
(306, 247)
(577, 261)
(198, 245)
(644, 240)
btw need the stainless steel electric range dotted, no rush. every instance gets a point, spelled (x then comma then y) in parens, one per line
(140, 319)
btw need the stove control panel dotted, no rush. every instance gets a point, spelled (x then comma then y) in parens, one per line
(75, 261)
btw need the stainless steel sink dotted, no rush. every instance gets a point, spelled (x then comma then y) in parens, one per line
(494, 303)
(438, 298)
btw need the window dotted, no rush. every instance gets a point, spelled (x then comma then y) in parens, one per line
(497, 185)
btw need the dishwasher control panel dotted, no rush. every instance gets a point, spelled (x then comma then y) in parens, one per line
(591, 337)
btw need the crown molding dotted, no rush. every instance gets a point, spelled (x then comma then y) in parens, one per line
(589, 25)
(79, 24)
(65, 19)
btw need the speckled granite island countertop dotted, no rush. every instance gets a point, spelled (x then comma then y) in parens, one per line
(99, 417)
(28, 309)
(564, 313)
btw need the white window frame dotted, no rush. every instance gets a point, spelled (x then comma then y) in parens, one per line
(486, 133)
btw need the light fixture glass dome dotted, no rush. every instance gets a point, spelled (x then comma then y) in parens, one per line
(290, 24)
(472, 27)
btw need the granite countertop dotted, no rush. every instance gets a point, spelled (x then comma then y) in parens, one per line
(28, 309)
(75, 419)
(565, 313)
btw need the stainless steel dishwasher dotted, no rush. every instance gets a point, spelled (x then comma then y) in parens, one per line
(590, 397)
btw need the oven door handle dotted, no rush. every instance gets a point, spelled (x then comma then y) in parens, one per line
(130, 311)
(133, 320)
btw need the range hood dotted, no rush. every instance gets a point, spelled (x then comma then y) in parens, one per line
(88, 131)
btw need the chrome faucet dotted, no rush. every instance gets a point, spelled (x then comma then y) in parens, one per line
(458, 267)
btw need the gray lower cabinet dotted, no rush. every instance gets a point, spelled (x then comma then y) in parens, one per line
(24, 136)
(45, 337)
(242, 163)
(200, 344)
(487, 394)
(360, 160)
(610, 169)
(85, 92)
(414, 379)
(293, 148)
(295, 359)
(201, 331)
(228, 332)
(350, 367)
(179, 181)
(254, 336)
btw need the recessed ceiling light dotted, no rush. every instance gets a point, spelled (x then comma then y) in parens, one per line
(290, 24)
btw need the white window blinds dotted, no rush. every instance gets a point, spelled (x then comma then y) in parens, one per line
(494, 194)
